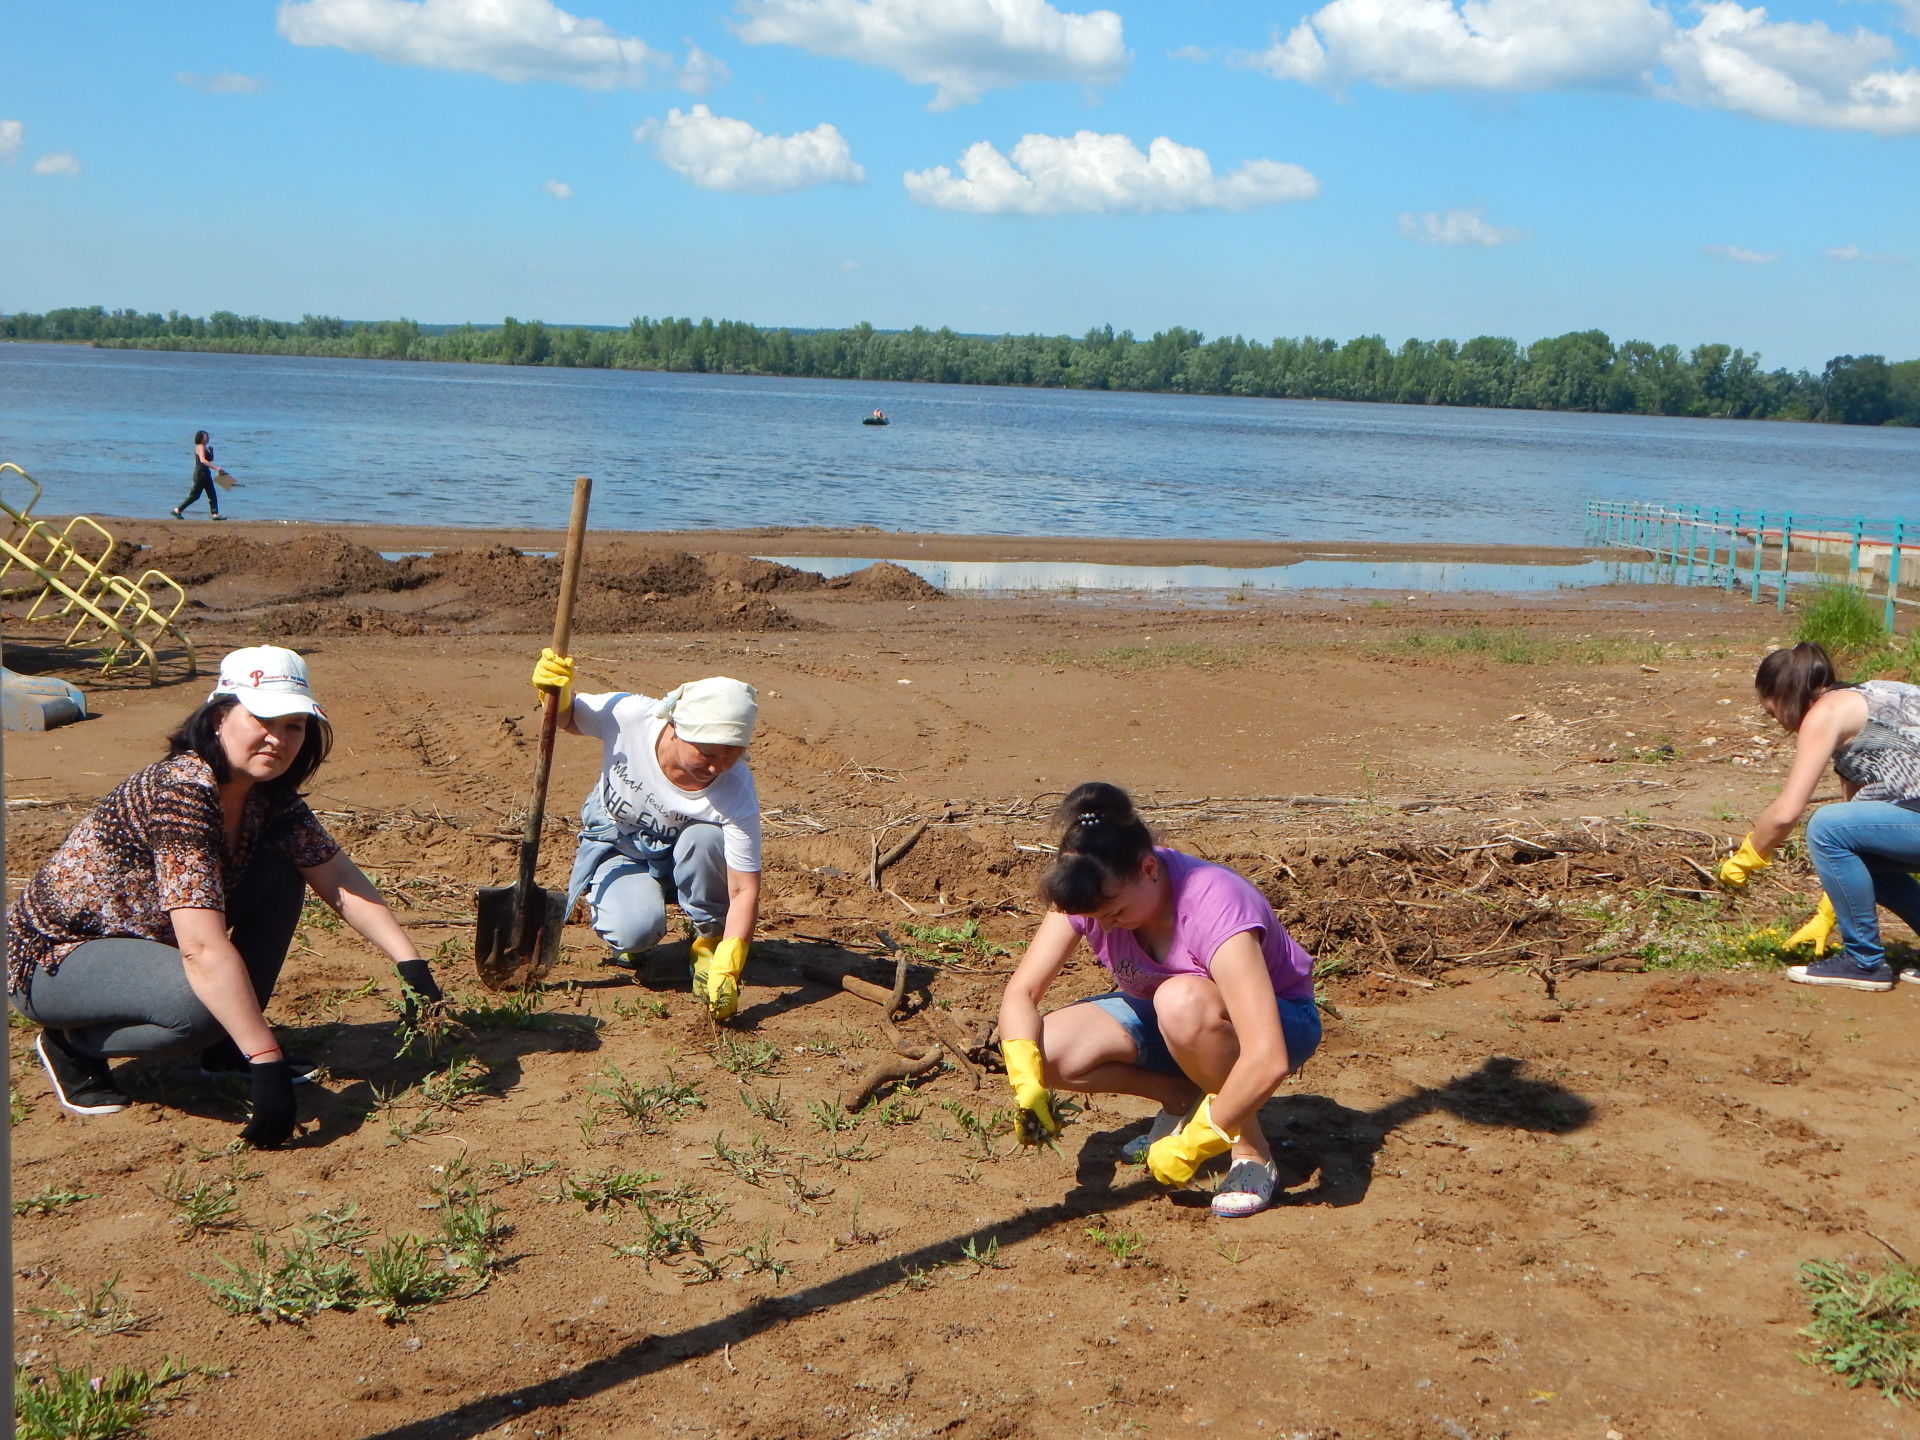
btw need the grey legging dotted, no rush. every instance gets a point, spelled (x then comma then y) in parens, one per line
(127, 996)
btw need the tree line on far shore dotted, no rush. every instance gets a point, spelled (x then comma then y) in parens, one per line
(1583, 370)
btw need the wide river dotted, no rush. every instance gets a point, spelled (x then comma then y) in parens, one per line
(109, 432)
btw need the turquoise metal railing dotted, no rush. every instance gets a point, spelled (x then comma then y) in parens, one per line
(1765, 550)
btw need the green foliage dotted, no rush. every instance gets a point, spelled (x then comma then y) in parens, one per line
(774, 1107)
(1582, 370)
(673, 1226)
(1678, 932)
(1841, 620)
(1866, 1324)
(404, 1276)
(98, 1312)
(604, 1189)
(289, 1287)
(984, 1257)
(646, 1107)
(1516, 647)
(754, 1161)
(1131, 659)
(1123, 1245)
(51, 1200)
(200, 1206)
(957, 947)
(464, 1078)
(61, 1404)
(744, 1056)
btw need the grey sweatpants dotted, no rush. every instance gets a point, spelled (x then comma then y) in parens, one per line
(126, 996)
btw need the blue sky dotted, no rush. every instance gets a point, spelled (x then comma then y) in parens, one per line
(1680, 173)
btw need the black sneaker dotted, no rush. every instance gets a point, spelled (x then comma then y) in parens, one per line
(81, 1083)
(1838, 970)
(222, 1060)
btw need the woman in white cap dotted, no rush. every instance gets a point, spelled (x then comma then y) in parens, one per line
(160, 924)
(674, 817)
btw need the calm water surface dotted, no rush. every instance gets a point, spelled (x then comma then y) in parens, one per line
(109, 432)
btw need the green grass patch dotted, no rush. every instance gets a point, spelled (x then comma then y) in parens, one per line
(1133, 658)
(953, 946)
(1516, 647)
(1866, 1324)
(1846, 623)
(55, 1403)
(1678, 932)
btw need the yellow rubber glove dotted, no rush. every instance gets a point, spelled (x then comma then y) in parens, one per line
(1741, 866)
(553, 674)
(1174, 1159)
(1817, 932)
(1027, 1075)
(716, 974)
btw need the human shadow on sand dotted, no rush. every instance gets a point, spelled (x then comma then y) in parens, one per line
(1337, 1143)
(364, 1076)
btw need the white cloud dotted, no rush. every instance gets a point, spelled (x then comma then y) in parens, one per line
(717, 152)
(1092, 174)
(511, 40)
(1740, 255)
(1457, 227)
(964, 48)
(558, 189)
(225, 83)
(1731, 58)
(60, 162)
(1853, 254)
(12, 133)
(702, 73)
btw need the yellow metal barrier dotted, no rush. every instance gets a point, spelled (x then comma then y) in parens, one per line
(67, 574)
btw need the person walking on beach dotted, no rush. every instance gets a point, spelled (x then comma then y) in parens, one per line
(203, 472)
(674, 818)
(160, 925)
(1865, 848)
(1214, 1008)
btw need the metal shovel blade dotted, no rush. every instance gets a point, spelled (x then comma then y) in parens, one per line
(504, 960)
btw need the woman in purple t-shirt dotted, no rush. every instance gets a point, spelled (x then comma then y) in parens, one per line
(1215, 1006)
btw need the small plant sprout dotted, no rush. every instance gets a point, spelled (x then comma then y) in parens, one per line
(340, 1228)
(984, 1257)
(645, 1107)
(604, 1189)
(743, 1056)
(200, 1206)
(402, 1276)
(673, 1228)
(830, 1117)
(524, 1168)
(287, 1288)
(464, 1078)
(899, 1108)
(773, 1108)
(1123, 1245)
(955, 947)
(758, 1258)
(98, 1312)
(651, 1006)
(755, 1161)
(52, 1200)
(858, 1231)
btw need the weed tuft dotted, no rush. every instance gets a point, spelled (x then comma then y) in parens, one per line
(201, 1206)
(79, 1404)
(51, 1200)
(645, 1107)
(1866, 1324)
(403, 1276)
(288, 1288)
(745, 1056)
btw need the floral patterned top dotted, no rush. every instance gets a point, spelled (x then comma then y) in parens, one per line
(156, 844)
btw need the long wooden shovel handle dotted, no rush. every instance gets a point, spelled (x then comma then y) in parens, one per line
(524, 889)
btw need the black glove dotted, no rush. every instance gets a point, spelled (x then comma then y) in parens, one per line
(420, 985)
(274, 1112)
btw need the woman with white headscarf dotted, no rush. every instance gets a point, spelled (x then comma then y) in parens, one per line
(673, 818)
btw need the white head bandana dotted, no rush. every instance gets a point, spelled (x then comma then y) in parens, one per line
(715, 711)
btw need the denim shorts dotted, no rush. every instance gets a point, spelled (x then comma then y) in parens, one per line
(1299, 1026)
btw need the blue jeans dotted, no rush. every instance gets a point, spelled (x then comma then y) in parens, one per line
(629, 897)
(1299, 1027)
(1865, 852)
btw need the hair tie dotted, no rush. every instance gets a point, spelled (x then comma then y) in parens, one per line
(1088, 817)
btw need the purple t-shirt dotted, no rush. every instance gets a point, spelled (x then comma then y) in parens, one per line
(1211, 904)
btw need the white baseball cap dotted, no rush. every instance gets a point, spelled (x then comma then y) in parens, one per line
(269, 680)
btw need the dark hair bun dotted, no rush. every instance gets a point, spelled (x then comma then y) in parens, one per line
(1103, 844)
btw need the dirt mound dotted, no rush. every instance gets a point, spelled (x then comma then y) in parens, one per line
(308, 567)
(501, 576)
(883, 580)
(612, 612)
(324, 618)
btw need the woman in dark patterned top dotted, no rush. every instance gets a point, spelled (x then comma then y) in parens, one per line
(1865, 848)
(160, 924)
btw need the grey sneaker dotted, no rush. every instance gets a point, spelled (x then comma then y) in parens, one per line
(1134, 1152)
(1247, 1190)
(1838, 970)
(1911, 975)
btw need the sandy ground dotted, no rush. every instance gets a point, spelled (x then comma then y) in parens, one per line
(1525, 1198)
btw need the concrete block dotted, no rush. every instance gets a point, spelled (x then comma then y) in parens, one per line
(39, 702)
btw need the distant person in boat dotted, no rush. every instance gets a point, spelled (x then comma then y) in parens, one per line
(160, 925)
(1865, 848)
(1214, 1007)
(879, 417)
(674, 818)
(204, 471)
